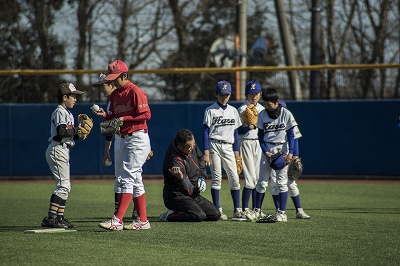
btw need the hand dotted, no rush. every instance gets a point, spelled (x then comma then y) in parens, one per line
(207, 158)
(100, 112)
(176, 171)
(202, 184)
(106, 157)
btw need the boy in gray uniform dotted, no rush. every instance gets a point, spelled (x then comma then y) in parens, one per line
(62, 137)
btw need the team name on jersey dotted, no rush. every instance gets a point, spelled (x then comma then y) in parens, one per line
(120, 108)
(268, 127)
(219, 121)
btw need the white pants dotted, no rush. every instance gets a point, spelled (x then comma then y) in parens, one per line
(266, 172)
(134, 150)
(251, 153)
(292, 186)
(117, 162)
(222, 155)
(57, 157)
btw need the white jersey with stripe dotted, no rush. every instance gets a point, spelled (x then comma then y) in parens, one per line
(275, 129)
(61, 116)
(251, 134)
(222, 123)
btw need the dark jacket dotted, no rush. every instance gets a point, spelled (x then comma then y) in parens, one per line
(192, 166)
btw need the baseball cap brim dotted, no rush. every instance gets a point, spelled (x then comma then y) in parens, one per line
(98, 83)
(112, 77)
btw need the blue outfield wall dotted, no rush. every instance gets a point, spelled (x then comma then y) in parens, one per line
(339, 137)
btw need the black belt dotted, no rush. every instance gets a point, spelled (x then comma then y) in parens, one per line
(273, 143)
(220, 141)
(130, 134)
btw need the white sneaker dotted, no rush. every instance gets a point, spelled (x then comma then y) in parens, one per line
(137, 225)
(238, 215)
(114, 224)
(281, 216)
(223, 215)
(258, 213)
(163, 217)
(250, 215)
(301, 214)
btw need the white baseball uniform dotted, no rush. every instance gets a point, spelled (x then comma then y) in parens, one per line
(57, 153)
(222, 124)
(250, 150)
(275, 140)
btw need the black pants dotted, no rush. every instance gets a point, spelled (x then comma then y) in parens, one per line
(190, 209)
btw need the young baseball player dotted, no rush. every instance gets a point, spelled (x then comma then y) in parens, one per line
(129, 103)
(250, 149)
(292, 185)
(221, 147)
(63, 134)
(275, 132)
(184, 173)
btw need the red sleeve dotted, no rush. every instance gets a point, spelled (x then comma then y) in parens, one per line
(142, 108)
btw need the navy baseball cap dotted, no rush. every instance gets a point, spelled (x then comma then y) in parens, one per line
(282, 103)
(277, 161)
(253, 87)
(223, 87)
(101, 80)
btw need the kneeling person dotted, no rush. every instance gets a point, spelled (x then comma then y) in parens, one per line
(184, 173)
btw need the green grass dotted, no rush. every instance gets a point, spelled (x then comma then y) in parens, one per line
(353, 223)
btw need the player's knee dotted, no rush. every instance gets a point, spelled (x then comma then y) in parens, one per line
(262, 187)
(235, 186)
(274, 190)
(293, 190)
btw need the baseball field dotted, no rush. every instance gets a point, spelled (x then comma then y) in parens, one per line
(352, 223)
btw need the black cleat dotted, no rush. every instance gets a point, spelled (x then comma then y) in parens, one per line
(52, 223)
(66, 223)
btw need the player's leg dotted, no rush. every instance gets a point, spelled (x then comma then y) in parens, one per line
(281, 181)
(295, 195)
(216, 176)
(229, 165)
(262, 184)
(117, 171)
(247, 151)
(57, 157)
(137, 147)
(274, 190)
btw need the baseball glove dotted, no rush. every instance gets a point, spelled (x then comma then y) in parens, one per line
(239, 166)
(149, 155)
(268, 218)
(110, 127)
(295, 169)
(86, 124)
(250, 115)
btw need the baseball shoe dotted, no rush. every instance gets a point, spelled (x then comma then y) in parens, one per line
(281, 216)
(238, 215)
(66, 222)
(250, 215)
(268, 218)
(301, 214)
(137, 225)
(163, 217)
(223, 215)
(52, 223)
(114, 224)
(258, 213)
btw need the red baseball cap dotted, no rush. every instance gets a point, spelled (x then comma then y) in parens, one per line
(115, 69)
